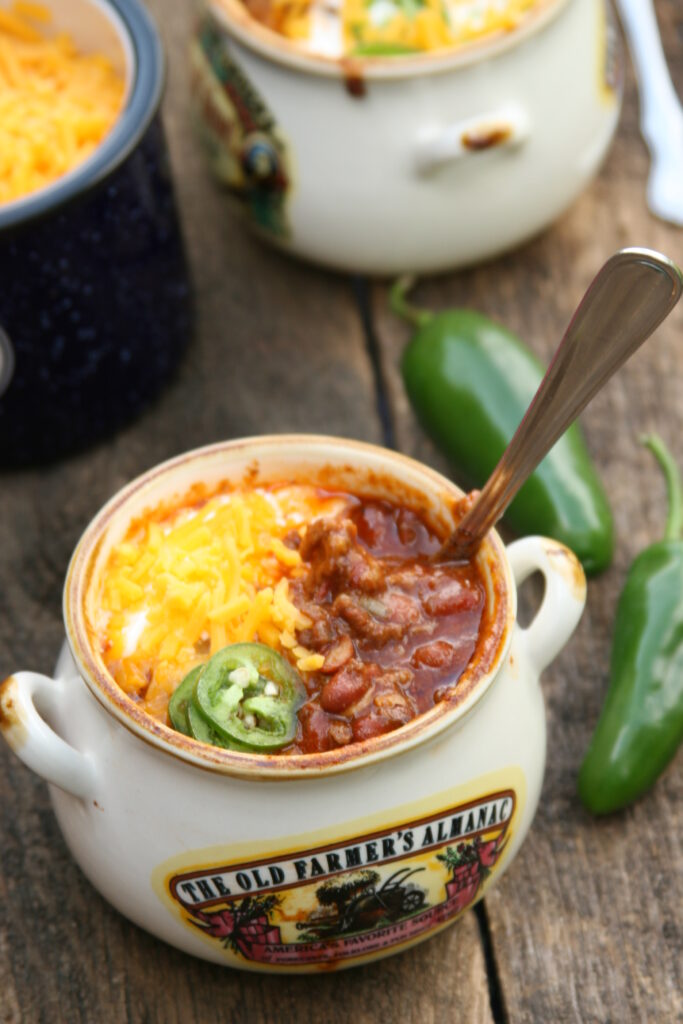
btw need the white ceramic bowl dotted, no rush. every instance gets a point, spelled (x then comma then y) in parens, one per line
(408, 163)
(225, 855)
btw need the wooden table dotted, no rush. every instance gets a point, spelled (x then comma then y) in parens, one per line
(586, 925)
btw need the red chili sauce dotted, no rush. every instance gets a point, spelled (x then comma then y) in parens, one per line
(396, 628)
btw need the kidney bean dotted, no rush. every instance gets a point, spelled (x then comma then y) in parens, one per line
(439, 654)
(338, 656)
(374, 724)
(450, 597)
(345, 687)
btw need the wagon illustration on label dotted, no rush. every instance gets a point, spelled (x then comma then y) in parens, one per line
(357, 902)
(352, 899)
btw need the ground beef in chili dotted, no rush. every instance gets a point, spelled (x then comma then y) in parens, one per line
(397, 629)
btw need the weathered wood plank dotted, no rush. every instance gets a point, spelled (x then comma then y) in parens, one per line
(586, 924)
(278, 347)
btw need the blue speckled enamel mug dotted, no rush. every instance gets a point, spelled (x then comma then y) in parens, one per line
(95, 302)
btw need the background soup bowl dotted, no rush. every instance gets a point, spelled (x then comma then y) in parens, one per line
(293, 863)
(95, 302)
(408, 163)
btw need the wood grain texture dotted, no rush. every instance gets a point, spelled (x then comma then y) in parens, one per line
(586, 925)
(278, 347)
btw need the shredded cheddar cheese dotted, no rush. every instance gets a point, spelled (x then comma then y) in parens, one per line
(337, 28)
(186, 582)
(56, 104)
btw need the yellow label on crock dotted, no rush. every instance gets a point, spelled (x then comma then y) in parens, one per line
(350, 894)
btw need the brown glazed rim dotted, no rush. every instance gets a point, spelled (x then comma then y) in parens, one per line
(235, 19)
(472, 685)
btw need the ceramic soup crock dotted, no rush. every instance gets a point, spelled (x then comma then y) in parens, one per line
(95, 304)
(226, 854)
(418, 163)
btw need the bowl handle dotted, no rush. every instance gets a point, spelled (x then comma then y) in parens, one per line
(563, 600)
(34, 741)
(499, 129)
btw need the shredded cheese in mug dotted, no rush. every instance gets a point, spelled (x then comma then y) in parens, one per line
(336, 28)
(189, 580)
(56, 104)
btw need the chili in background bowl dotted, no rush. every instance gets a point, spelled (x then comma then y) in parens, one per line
(303, 861)
(95, 308)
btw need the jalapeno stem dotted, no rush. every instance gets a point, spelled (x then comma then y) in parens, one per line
(674, 486)
(403, 308)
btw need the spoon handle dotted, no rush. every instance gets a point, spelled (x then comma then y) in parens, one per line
(630, 296)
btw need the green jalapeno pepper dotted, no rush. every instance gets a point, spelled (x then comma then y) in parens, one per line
(641, 725)
(184, 715)
(244, 698)
(201, 730)
(180, 702)
(470, 381)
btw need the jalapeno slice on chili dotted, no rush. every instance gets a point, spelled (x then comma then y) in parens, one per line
(183, 712)
(249, 695)
(179, 704)
(200, 728)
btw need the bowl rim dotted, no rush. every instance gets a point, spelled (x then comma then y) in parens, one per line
(233, 16)
(135, 24)
(278, 766)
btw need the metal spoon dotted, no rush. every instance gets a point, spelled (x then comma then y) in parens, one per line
(635, 290)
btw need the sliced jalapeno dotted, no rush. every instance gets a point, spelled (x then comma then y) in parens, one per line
(202, 731)
(200, 728)
(249, 695)
(178, 706)
(187, 718)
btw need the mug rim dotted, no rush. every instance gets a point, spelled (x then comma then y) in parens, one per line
(235, 19)
(144, 94)
(128, 713)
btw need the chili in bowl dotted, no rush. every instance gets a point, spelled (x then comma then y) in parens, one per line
(275, 610)
(336, 598)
